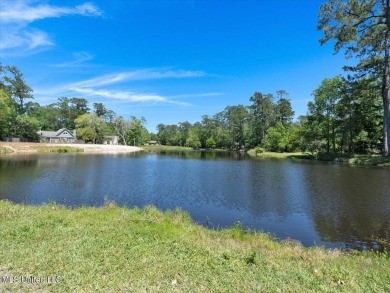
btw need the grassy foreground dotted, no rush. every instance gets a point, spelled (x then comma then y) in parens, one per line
(114, 249)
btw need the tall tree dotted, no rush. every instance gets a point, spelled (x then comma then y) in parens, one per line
(283, 111)
(362, 27)
(237, 118)
(90, 127)
(17, 87)
(262, 116)
(7, 114)
(100, 110)
(121, 127)
(326, 97)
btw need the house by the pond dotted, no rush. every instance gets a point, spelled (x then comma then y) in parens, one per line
(153, 142)
(110, 140)
(62, 135)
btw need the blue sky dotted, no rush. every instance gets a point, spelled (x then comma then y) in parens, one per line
(169, 61)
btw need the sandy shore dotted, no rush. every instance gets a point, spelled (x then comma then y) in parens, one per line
(29, 147)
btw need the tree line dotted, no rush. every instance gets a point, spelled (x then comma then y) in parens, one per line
(348, 114)
(23, 118)
(345, 116)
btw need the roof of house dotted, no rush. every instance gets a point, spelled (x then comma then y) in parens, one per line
(58, 133)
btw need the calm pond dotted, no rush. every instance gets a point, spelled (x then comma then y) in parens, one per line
(316, 203)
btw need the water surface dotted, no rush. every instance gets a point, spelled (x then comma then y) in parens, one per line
(316, 203)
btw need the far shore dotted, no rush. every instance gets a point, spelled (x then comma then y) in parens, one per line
(30, 147)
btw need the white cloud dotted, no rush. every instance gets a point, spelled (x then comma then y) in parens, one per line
(37, 38)
(104, 86)
(79, 58)
(17, 15)
(16, 11)
(121, 95)
(141, 74)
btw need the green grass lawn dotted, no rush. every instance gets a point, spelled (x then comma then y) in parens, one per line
(57, 149)
(114, 249)
(360, 160)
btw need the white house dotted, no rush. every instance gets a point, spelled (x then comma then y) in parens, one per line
(62, 135)
(113, 140)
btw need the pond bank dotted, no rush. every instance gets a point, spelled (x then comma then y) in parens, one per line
(357, 160)
(150, 250)
(28, 147)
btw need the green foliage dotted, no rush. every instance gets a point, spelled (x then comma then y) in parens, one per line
(131, 132)
(210, 143)
(86, 134)
(25, 128)
(193, 140)
(15, 86)
(276, 139)
(283, 109)
(90, 127)
(7, 114)
(345, 116)
(282, 139)
(363, 29)
(259, 150)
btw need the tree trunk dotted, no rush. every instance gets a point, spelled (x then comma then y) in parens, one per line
(386, 117)
(386, 85)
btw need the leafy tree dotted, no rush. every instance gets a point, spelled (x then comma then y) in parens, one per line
(360, 112)
(210, 143)
(26, 128)
(90, 127)
(184, 128)
(100, 110)
(15, 86)
(276, 139)
(362, 27)
(137, 133)
(283, 111)
(169, 134)
(132, 131)
(193, 139)
(237, 119)
(7, 114)
(121, 127)
(221, 134)
(280, 138)
(326, 97)
(262, 116)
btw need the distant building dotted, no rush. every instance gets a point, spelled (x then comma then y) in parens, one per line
(62, 135)
(110, 140)
(153, 142)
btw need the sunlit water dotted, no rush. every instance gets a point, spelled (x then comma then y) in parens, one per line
(316, 203)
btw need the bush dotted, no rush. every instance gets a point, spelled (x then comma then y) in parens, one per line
(259, 150)
(210, 143)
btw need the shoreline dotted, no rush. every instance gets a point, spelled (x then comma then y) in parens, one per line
(351, 160)
(31, 147)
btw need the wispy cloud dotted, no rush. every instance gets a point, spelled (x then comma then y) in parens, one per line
(201, 95)
(141, 74)
(17, 15)
(16, 11)
(127, 96)
(105, 86)
(78, 59)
